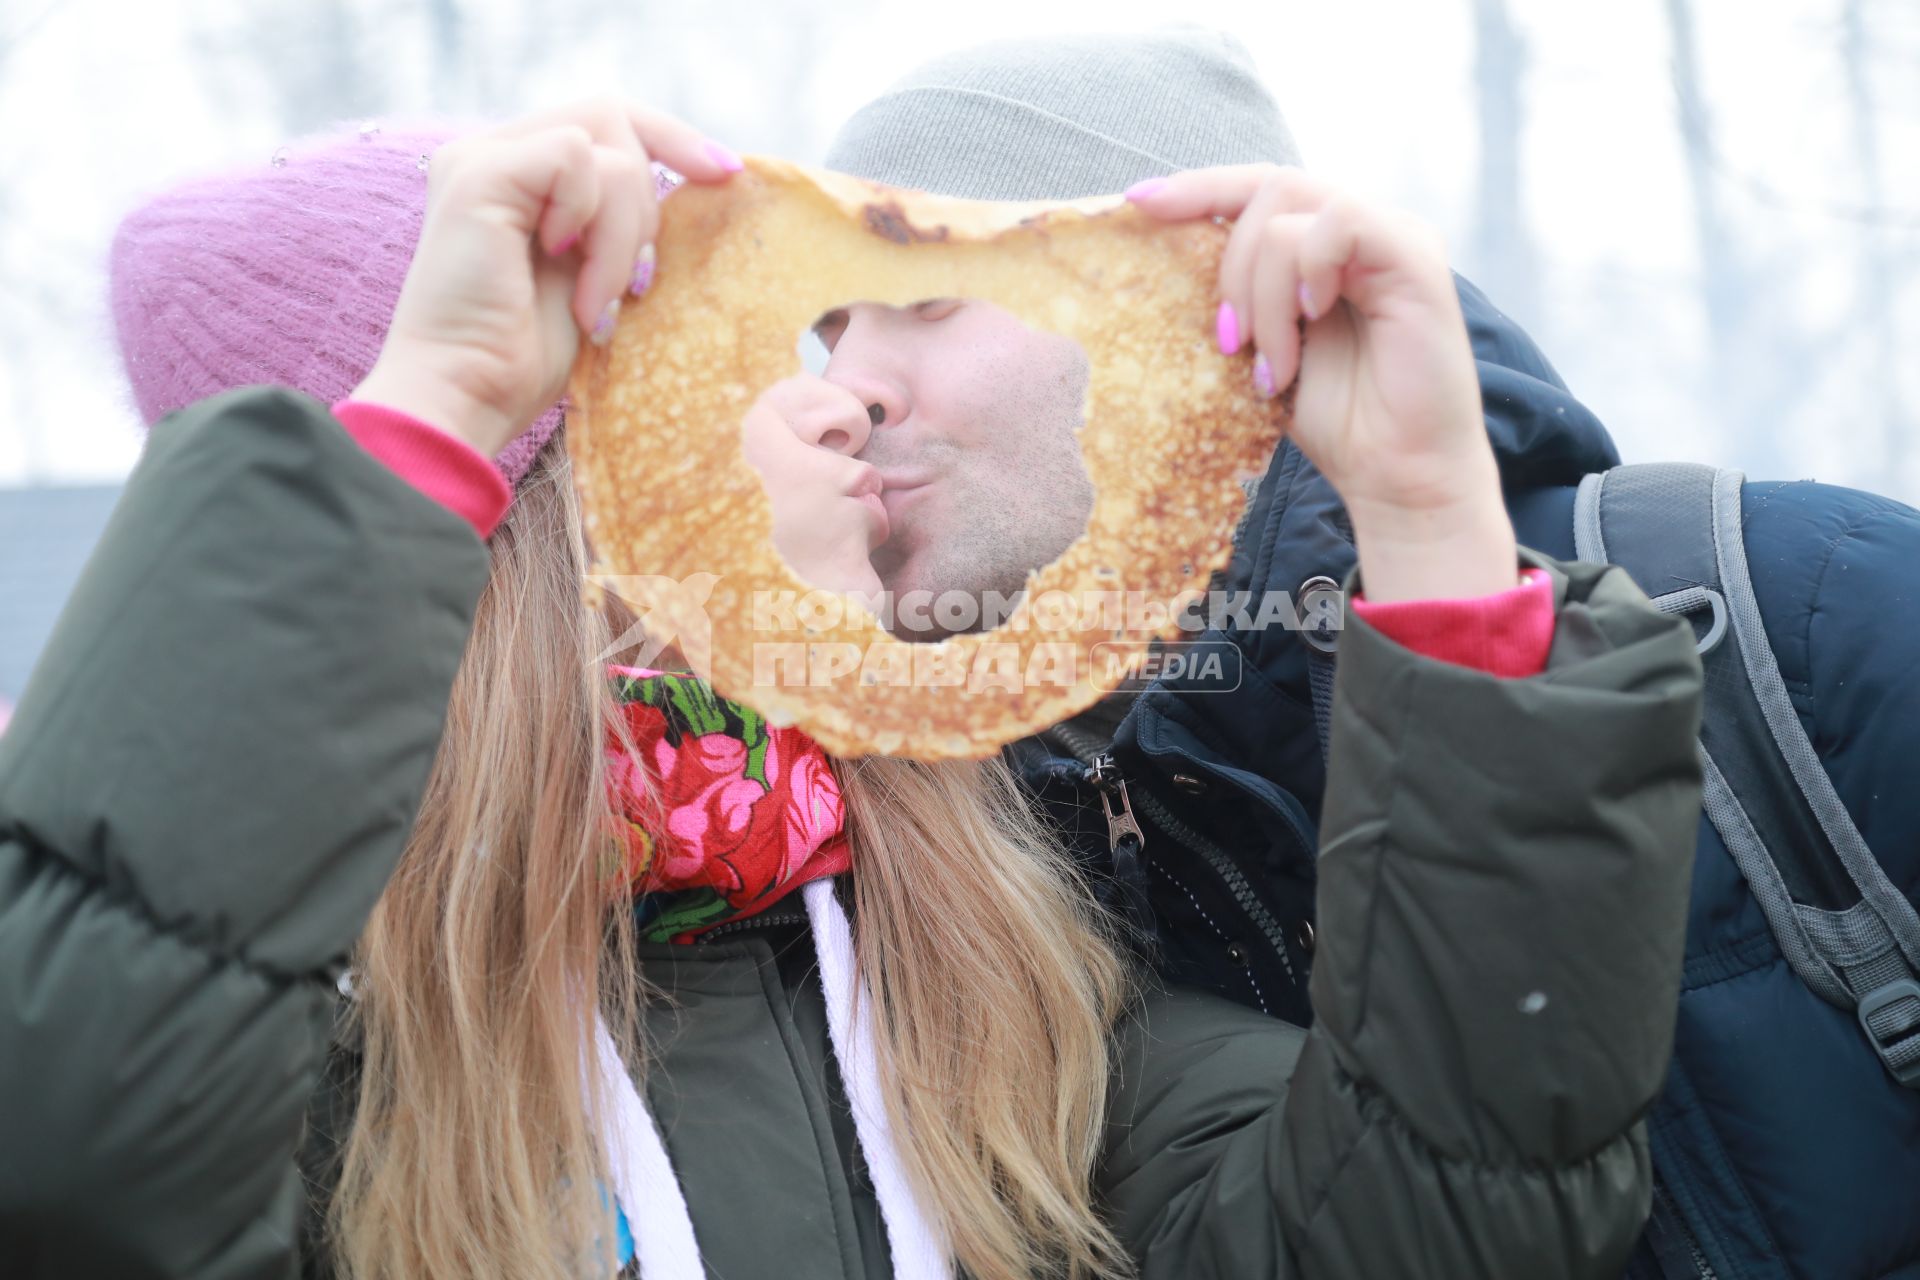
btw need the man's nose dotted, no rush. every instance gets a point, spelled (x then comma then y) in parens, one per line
(866, 362)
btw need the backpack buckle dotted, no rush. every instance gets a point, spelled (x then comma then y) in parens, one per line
(1901, 1035)
(1691, 600)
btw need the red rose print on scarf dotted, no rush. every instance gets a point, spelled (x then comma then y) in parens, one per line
(734, 815)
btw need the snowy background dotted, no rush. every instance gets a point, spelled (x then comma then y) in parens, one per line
(1707, 211)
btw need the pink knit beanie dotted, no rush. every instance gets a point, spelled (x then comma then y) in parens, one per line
(285, 272)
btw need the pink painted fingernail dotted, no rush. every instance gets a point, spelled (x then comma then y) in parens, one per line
(1306, 302)
(1226, 327)
(722, 156)
(603, 327)
(566, 244)
(1144, 188)
(642, 272)
(1263, 377)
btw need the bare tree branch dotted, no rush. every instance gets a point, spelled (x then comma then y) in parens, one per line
(1877, 273)
(1503, 245)
(1723, 290)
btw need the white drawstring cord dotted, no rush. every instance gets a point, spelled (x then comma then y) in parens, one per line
(643, 1178)
(644, 1184)
(919, 1252)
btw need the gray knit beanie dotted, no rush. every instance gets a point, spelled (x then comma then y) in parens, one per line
(1059, 117)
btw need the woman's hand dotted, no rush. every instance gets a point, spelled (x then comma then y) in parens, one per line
(1388, 400)
(534, 231)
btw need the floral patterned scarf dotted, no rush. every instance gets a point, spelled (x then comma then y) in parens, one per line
(740, 815)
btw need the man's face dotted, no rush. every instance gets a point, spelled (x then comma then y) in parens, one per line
(976, 438)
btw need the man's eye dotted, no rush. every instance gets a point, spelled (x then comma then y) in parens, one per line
(829, 327)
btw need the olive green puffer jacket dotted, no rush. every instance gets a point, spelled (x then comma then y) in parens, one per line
(214, 769)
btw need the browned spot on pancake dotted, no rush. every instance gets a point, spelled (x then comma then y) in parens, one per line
(890, 220)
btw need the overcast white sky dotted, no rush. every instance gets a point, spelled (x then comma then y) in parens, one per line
(101, 100)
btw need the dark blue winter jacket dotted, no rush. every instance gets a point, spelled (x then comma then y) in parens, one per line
(1782, 1147)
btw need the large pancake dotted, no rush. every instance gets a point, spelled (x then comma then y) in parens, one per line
(654, 430)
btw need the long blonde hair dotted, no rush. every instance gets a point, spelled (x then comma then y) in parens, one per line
(474, 1149)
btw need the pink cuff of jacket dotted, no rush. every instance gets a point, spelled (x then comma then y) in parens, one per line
(441, 465)
(1507, 633)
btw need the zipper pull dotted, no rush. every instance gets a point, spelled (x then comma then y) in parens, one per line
(1127, 843)
(1104, 774)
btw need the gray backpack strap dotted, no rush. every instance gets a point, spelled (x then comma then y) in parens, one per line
(1843, 927)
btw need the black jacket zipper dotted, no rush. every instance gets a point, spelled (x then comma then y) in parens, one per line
(770, 920)
(1104, 773)
(1672, 1218)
